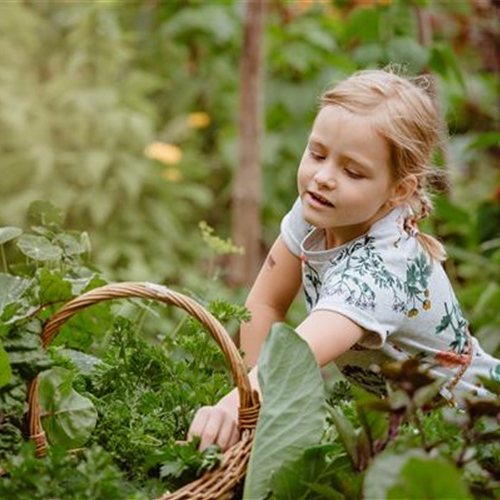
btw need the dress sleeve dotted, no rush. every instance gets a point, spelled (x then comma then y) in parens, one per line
(294, 228)
(367, 290)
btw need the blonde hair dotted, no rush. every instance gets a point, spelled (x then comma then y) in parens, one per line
(404, 114)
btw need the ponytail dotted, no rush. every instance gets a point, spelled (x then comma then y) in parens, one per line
(434, 248)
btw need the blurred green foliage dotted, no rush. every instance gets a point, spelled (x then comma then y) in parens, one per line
(87, 87)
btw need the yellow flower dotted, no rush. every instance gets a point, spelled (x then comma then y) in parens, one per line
(427, 304)
(412, 313)
(164, 153)
(198, 120)
(172, 174)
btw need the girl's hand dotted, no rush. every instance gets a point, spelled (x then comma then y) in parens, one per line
(215, 425)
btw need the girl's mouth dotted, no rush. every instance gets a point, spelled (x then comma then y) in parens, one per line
(318, 200)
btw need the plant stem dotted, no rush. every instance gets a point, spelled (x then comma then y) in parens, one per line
(418, 423)
(4, 260)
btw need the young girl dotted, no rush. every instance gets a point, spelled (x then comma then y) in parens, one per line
(374, 285)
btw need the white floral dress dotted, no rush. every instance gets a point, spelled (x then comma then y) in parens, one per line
(385, 282)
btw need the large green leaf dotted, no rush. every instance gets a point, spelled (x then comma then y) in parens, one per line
(384, 471)
(38, 248)
(432, 479)
(67, 417)
(5, 369)
(9, 233)
(293, 409)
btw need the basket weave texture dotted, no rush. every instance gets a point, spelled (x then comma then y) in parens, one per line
(213, 485)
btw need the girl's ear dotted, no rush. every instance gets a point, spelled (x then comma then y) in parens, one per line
(403, 190)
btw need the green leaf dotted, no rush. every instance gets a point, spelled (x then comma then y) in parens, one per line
(347, 434)
(384, 471)
(12, 289)
(444, 62)
(485, 140)
(5, 368)
(293, 410)
(52, 287)
(294, 478)
(9, 233)
(408, 50)
(38, 248)
(374, 422)
(432, 479)
(67, 417)
(45, 213)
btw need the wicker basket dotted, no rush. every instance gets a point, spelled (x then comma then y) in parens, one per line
(220, 482)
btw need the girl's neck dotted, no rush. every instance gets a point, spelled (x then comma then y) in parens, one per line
(337, 236)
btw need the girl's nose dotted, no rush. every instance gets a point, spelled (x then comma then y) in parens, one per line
(325, 178)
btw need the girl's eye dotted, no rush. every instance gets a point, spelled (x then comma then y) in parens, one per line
(316, 156)
(353, 175)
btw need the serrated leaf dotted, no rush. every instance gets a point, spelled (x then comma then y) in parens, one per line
(293, 410)
(38, 248)
(9, 233)
(67, 417)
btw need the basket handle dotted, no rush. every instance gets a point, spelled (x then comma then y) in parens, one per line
(249, 399)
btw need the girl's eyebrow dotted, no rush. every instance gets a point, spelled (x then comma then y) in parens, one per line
(351, 156)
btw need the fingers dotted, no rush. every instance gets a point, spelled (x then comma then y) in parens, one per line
(227, 433)
(214, 425)
(199, 422)
(211, 431)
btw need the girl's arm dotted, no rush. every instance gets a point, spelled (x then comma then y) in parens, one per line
(329, 335)
(271, 295)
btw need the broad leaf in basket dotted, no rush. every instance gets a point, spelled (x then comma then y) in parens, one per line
(5, 369)
(67, 417)
(9, 233)
(39, 248)
(293, 410)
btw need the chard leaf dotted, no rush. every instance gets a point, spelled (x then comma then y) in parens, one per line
(293, 410)
(38, 248)
(9, 233)
(68, 417)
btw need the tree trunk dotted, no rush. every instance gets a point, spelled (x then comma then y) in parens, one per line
(246, 227)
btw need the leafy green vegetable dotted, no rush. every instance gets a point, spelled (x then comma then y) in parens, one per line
(5, 368)
(293, 409)
(67, 417)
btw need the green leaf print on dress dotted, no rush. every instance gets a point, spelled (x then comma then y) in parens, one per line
(454, 317)
(355, 260)
(311, 276)
(418, 273)
(495, 373)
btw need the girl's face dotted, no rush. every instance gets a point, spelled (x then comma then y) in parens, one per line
(344, 176)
